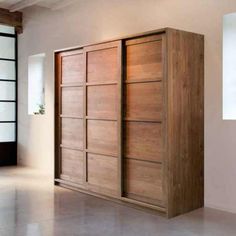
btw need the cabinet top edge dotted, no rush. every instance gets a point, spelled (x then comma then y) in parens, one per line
(127, 37)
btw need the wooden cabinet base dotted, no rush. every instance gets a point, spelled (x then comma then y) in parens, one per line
(122, 200)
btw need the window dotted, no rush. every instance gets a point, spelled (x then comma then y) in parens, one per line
(36, 104)
(229, 67)
(7, 84)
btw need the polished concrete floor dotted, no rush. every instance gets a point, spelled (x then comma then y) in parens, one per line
(31, 206)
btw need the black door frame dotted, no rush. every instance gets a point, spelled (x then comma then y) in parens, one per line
(8, 150)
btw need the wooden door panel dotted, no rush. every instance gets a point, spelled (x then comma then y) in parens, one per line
(102, 136)
(102, 101)
(103, 173)
(144, 101)
(73, 68)
(143, 120)
(144, 141)
(72, 101)
(102, 65)
(144, 61)
(72, 133)
(143, 181)
(72, 165)
(103, 94)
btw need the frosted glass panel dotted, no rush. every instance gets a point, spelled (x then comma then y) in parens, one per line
(7, 47)
(7, 132)
(7, 70)
(7, 111)
(7, 29)
(7, 91)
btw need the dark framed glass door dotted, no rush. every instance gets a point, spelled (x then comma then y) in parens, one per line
(8, 96)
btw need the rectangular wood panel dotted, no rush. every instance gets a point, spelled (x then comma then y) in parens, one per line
(72, 133)
(144, 141)
(102, 136)
(144, 60)
(72, 101)
(72, 165)
(102, 65)
(143, 181)
(73, 68)
(144, 101)
(102, 101)
(103, 173)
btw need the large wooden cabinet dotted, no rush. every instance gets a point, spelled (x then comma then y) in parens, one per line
(129, 120)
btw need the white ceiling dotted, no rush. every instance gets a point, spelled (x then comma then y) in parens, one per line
(17, 5)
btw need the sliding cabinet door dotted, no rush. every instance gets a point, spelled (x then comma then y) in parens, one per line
(143, 120)
(103, 117)
(8, 96)
(70, 116)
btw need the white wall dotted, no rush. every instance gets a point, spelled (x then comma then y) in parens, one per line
(95, 20)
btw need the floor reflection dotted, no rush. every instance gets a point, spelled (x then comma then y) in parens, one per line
(30, 205)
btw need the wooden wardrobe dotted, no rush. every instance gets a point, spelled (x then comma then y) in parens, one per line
(129, 120)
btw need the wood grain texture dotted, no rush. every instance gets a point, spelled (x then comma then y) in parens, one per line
(151, 145)
(72, 68)
(185, 121)
(143, 146)
(144, 59)
(69, 116)
(102, 173)
(57, 118)
(84, 119)
(102, 136)
(102, 101)
(14, 19)
(102, 65)
(72, 165)
(144, 141)
(72, 101)
(72, 133)
(144, 101)
(144, 38)
(143, 181)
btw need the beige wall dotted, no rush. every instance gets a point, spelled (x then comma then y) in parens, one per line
(95, 20)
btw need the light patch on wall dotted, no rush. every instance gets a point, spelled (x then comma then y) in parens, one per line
(36, 98)
(229, 67)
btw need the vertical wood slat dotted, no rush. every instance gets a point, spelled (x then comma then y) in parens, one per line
(84, 119)
(120, 117)
(164, 120)
(57, 119)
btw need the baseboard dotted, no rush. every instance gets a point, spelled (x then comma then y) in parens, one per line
(221, 208)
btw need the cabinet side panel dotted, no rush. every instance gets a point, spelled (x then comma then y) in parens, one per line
(185, 119)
